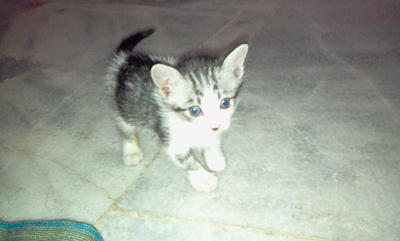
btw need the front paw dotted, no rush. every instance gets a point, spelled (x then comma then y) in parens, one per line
(216, 163)
(202, 180)
(132, 157)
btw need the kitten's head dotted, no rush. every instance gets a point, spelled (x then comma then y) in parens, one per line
(203, 89)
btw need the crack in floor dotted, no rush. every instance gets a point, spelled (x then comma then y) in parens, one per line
(171, 219)
(60, 164)
(99, 223)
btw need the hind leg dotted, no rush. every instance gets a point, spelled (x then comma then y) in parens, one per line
(131, 152)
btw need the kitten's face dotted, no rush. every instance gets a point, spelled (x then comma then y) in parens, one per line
(205, 96)
(211, 111)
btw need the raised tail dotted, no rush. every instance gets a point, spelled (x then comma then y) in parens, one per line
(130, 42)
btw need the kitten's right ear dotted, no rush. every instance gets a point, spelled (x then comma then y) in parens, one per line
(165, 77)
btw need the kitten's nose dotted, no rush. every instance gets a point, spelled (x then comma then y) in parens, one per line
(216, 127)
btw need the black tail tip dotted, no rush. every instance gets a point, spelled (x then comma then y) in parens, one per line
(148, 32)
(130, 42)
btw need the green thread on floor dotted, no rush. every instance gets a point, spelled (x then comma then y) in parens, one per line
(55, 230)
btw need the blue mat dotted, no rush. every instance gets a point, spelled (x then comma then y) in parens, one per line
(48, 231)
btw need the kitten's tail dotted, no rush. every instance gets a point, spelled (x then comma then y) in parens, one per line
(130, 42)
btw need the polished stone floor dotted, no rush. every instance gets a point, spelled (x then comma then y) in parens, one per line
(313, 152)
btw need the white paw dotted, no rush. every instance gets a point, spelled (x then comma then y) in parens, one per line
(202, 180)
(132, 158)
(132, 154)
(216, 163)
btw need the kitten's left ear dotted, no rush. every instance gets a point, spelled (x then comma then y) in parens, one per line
(235, 60)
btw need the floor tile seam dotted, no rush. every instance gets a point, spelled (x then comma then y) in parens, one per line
(71, 170)
(57, 107)
(53, 111)
(224, 26)
(183, 11)
(276, 7)
(326, 50)
(99, 222)
(13, 77)
(361, 75)
(9, 19)
(265, 14)
(351, 67)
(292, 123)
(24, 12)
(18, 59)
(39, 63)
(314, 27)
(240, 12)
(230, 22)
(172, 219)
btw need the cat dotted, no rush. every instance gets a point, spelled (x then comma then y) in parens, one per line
(187, 101)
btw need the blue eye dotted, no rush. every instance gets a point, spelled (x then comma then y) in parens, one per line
(195, 110)
(225, 103)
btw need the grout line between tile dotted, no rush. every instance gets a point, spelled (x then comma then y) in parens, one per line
(224, 26)
(23, 12)
(71, 170)
(84, 6)
(47, 65)
(52, 112)
(237, 15)
(241, 11)
(99, 222)
(317, 36)
(171, 219)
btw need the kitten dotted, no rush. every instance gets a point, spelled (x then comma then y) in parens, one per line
(188, 102)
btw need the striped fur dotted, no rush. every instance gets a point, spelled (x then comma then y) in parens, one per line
(159, 92)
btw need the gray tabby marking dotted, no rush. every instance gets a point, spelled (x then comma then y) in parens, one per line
(188, 102)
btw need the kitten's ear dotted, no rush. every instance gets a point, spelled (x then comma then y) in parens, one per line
(165, 77)
(235, 60)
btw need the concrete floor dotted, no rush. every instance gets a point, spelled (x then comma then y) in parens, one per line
(313, 153)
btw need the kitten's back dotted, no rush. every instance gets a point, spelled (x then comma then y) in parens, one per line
(133, 88)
